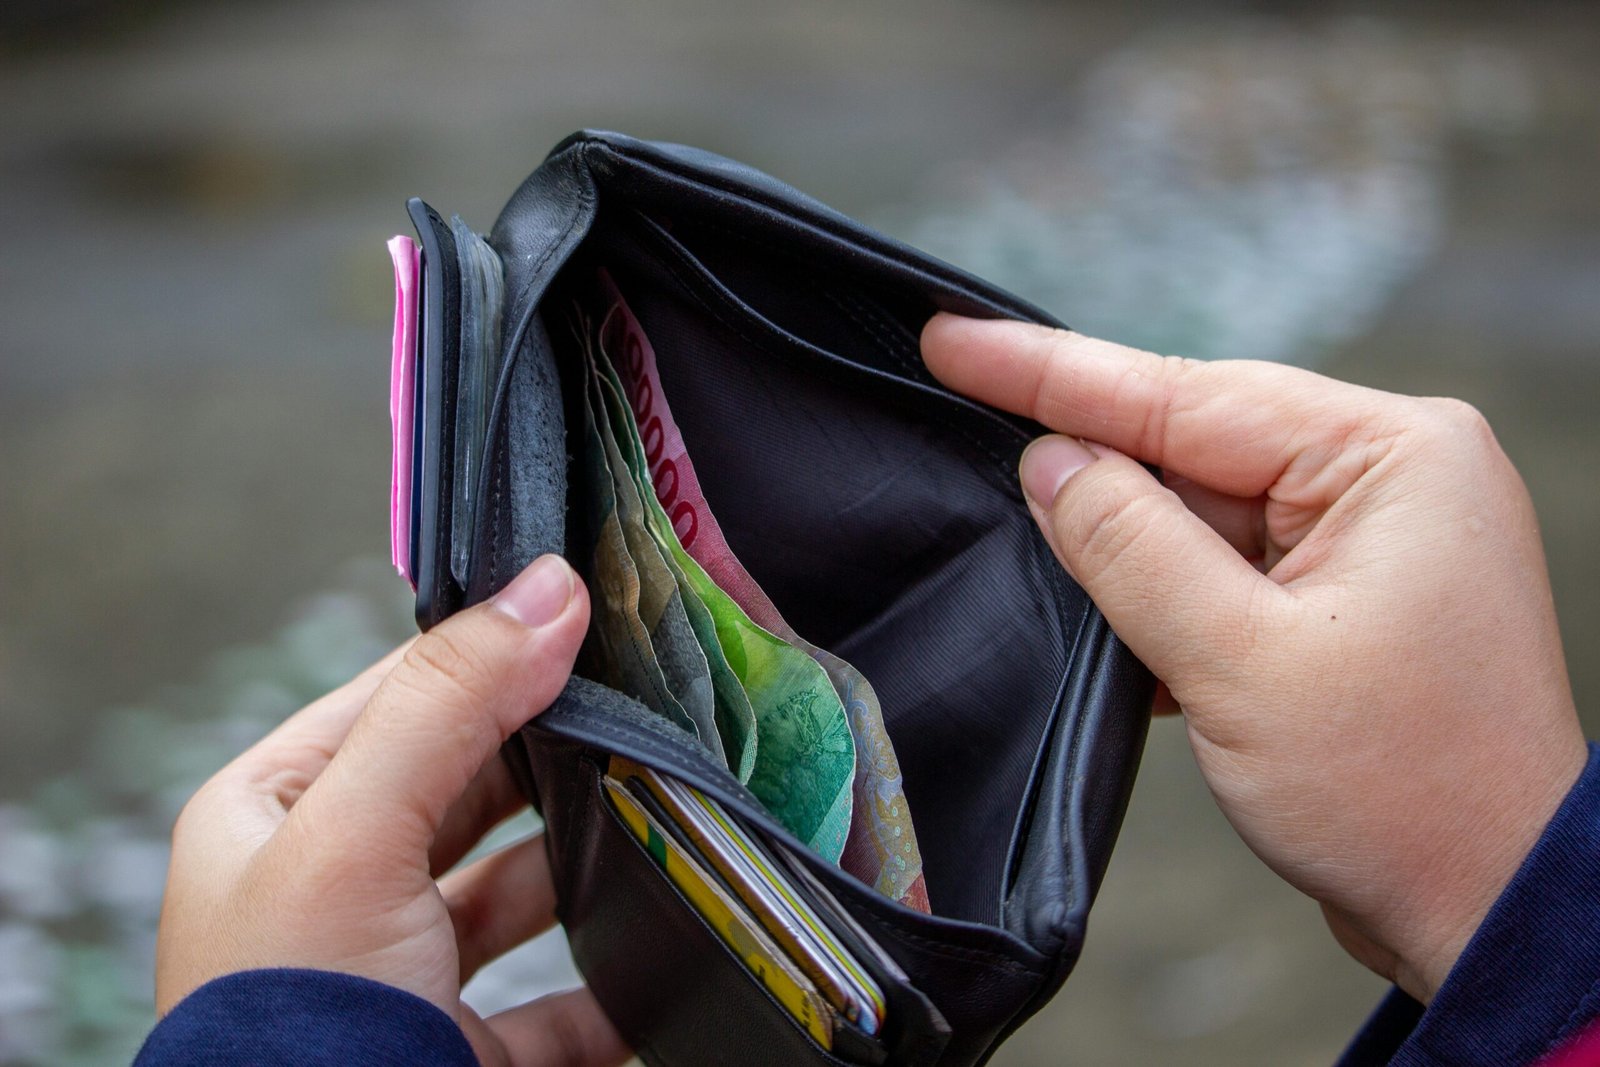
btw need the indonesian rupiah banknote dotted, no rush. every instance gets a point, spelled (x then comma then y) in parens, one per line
(799, 758)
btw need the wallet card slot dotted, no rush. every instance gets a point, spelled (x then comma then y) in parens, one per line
(676, 179)
(844, 315)
(848, 335)
(590, 722)
(559, 754)
(675, 964)
(599, 719)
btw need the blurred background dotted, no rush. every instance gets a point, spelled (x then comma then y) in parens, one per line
(194, 316)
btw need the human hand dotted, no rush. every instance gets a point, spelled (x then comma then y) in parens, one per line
(320, 847)
(1344, 592)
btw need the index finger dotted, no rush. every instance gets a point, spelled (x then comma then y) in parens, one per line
(1233, 425)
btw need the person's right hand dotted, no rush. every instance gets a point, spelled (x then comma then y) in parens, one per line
(1383, 714)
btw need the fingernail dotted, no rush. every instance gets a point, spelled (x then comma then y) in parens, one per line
(540, 593)
(1048, 463)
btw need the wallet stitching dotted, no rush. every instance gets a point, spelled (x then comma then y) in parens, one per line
(494, 540)
(878, 322)
(585, 200)
(929, 271)
(807, 268)
(681, 257)
(909, 340)
(875, 331)
(891, 332)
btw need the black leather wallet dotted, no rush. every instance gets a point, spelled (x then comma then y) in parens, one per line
(882, 515)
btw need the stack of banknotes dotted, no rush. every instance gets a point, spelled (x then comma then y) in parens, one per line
(681, 626)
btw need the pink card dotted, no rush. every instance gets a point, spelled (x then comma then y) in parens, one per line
(402, 391)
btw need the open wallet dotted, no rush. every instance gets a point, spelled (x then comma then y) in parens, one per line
(846, 751)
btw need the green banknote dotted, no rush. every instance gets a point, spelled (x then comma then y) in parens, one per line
(805, 756)
(661, 605)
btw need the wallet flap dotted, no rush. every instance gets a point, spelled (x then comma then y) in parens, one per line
(982, 974)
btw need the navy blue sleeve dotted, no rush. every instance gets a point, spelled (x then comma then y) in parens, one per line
(1529, 980)
(305, 1018)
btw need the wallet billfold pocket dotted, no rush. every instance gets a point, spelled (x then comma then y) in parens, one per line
(707, 850)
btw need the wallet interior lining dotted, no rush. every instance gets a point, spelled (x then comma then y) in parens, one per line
(879, 514)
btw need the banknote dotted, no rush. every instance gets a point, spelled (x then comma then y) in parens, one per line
(661, 605)
(805, 751)
(881, 847)
(620, 642)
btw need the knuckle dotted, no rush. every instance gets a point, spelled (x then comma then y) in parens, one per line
(1460, 420)
(208, 807)
(288, 784)
(1171, 377)
(1050, 366)
(1061, 344)
(192, 816)
(447, 659)
(1104, 521)
(1457, 411)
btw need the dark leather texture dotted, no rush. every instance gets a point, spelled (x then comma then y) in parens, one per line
(882, 515)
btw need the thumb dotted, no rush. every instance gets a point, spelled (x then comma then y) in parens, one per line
(461, 689)
(1173, 590)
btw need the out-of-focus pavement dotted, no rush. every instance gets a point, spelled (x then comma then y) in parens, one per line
(193, 317)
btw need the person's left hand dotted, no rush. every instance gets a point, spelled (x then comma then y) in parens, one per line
(320, 847)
